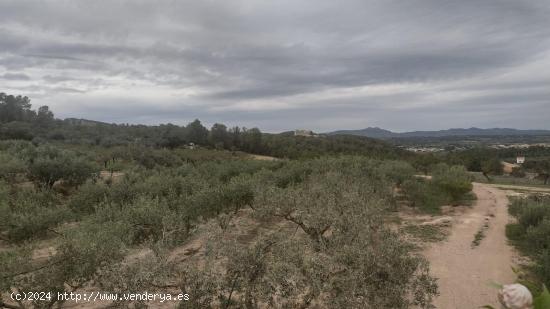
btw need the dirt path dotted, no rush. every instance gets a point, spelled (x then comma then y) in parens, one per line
(263, 158)
(464, 271)
(521, 188)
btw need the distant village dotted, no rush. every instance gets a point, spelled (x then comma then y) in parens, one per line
(306, 133)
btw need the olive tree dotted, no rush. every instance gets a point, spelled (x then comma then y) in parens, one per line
(454, 180)
(79, 259)
(542, 168)
(10, 167)
(491, 167)
(51, 164)
(330, 249)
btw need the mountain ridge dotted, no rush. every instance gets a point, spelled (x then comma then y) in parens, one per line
(376, 132)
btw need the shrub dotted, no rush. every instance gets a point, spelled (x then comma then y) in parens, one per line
(87, 197)
(491, 166)
(51, 164)
(533, 214)
(344, 258)
(397, 171)
(149, 158)
(85, 251)
(16, 130)
(237, 194)
(454, 180)
(5, 211)
(163, 185)
(124, 192)
(518, 172)
(532, 232)
(32, 213)
(291, 175)
(13, 261)
(89, 247)
(538, 236)
(425, 195)
(514, 231)
(146, 218)
(339, 255)
(148, 272)
(10, 167)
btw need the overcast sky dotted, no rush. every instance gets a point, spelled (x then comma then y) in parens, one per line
(283, 64)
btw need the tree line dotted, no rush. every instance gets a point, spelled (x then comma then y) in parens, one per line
(20, 121)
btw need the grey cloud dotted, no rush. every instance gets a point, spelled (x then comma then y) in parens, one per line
(214, 55)
(55, 57)
(15, 76)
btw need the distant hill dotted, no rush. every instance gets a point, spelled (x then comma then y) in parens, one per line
(385, 134)
(84, 122)
(368, 132)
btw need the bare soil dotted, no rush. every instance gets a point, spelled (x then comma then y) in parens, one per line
(114, 176)
(262, 158)
(464, 271)
(508, 167)
(521, 188)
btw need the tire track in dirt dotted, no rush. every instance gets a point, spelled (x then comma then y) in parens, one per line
(464, 272)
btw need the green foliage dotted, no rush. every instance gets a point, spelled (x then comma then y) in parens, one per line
(397, 171)
(16, 130)
(341, 255)
(41, 127)
(541, 167)
(79, 258)
(448, 185)
(150, 158)
(238, 194)
(15, 108)
(30, 213)
(11, 167)
(299, 147)
(197, 133)
(89, 247)
(532, 232)
(146, 218)
(164, 196)
(219, 136)
(87, 197)
(542, 301)
(424, 195)
(533, 214)
(13, 262)
(5, 212)
(454, 180)
(148, 272)
(424, 162)
(491, 166)
(514, 231)
(50, 164)
(518, 172)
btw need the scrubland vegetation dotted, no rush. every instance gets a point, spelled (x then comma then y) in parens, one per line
(339, 254)
(135, 208)
(449, 185)
(19, 121)
(488, 163)
(531, 233)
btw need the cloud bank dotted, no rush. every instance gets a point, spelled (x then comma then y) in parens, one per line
(281, 65)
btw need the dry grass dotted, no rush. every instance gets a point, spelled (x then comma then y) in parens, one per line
(263, 158)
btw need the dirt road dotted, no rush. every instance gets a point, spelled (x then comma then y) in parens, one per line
(521, 188)
(464, 271)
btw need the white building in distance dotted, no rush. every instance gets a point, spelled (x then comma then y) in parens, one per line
(307, 133)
